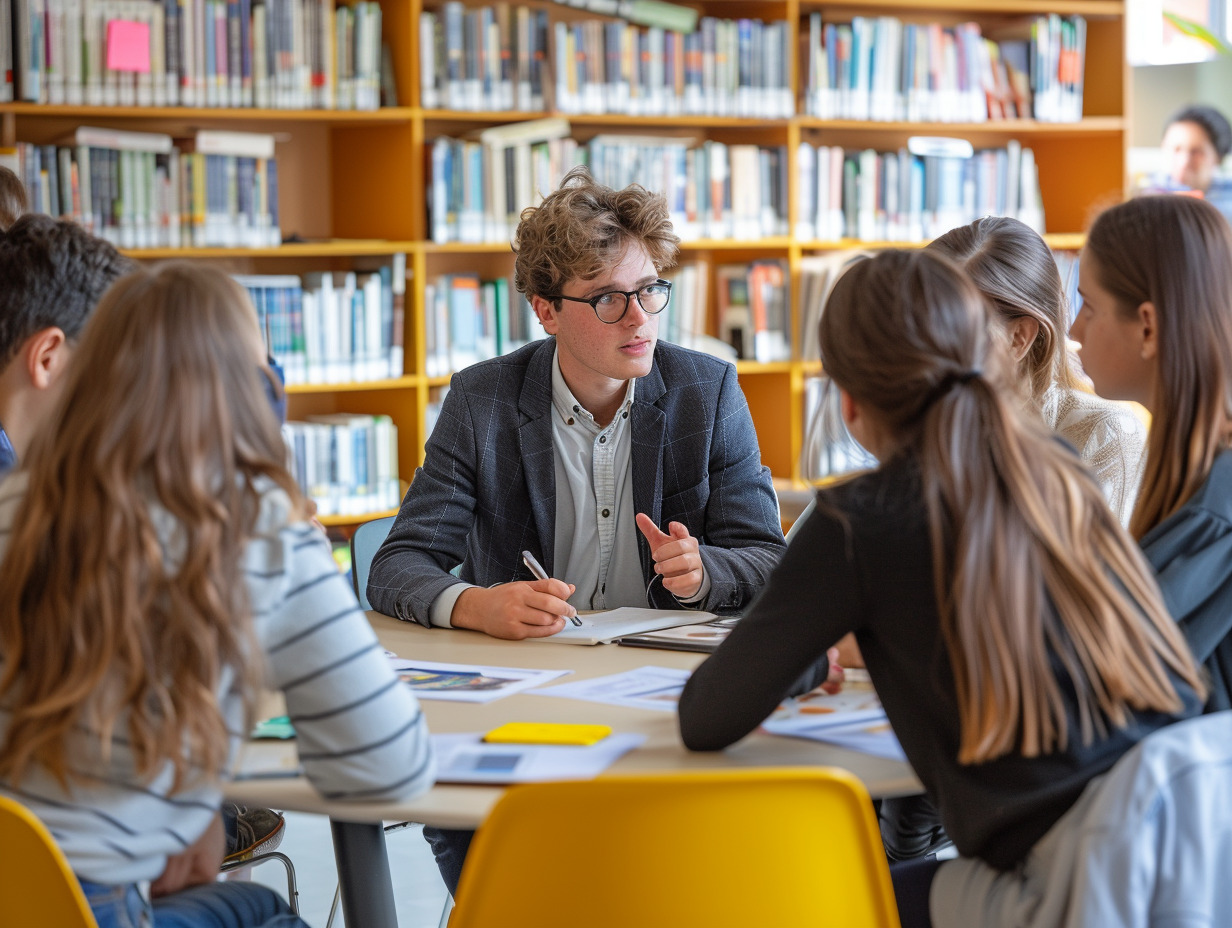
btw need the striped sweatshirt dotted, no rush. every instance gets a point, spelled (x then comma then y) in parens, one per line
(360, 733)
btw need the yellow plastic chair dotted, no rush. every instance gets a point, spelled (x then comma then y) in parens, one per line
(777, 847)
(36, 885)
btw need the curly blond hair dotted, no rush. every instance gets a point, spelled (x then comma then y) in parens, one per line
(583, 227)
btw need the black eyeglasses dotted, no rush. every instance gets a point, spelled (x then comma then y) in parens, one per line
(611, 307)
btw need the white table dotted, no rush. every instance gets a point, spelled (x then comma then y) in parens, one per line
(359, 842)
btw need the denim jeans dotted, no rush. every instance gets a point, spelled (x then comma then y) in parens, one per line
(212, 905)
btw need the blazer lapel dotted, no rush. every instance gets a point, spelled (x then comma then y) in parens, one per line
(649, 423)
(535, 445)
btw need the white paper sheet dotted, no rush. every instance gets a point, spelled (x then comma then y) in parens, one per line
(599, 627)
(467, 682)
(852, 718)
(644, 688)
(465, 758)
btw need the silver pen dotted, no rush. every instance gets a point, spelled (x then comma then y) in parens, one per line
(540, 574)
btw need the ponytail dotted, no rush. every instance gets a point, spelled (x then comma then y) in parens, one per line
(1031, 569)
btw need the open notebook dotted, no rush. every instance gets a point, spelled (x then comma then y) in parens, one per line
(600, 627)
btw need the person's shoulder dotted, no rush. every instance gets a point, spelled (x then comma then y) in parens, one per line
(893, 490)
(1214, 497)
(684, 366)
(1085, 419)
(493, 368)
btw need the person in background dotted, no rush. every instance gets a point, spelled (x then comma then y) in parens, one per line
(1012, 266)
(1012, 629)
(13, 199)
(1196, 141)
(1156, 327)
(159, 570)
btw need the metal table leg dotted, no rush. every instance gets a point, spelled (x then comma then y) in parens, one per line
(363, 874)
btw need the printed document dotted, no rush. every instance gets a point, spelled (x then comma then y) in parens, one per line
(600, 627)
(644, 688)
(467, 758)
(467, 682)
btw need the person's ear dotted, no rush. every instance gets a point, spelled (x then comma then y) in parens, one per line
(545, 310)
(1150, 331)
(1022, 331)
(46, 356)
(850, 409)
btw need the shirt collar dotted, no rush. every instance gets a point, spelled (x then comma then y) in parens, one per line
(569, 407)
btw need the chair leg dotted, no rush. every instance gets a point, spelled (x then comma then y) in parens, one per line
(445, 910)
(292, 886)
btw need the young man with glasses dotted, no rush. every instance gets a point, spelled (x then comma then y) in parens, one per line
(628, 467)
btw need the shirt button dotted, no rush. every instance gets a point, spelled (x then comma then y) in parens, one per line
(624, 415)
(606, 513)
(569, 421)
(575, 409)
(602, 439)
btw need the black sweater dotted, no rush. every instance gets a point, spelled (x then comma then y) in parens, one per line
(863, 563)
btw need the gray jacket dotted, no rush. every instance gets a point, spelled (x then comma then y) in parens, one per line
(486, 490)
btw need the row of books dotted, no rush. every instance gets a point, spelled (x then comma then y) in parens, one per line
(485, 58)
(470, 320)
(727, 67)
(714, 190)
(144, 190)
(904, 197)
(292, 54)
(882, 69)
(333, 327)
(346, 463)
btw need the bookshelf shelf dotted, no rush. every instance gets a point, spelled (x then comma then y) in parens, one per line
(1019, 7)
(408, 382)
(1031, 128)
(345, 520)
(343, 248)
(1057, 241)
(355, 185)
(772, 367)
(396, 114)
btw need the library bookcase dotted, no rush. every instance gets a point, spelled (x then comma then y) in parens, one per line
(352, 184)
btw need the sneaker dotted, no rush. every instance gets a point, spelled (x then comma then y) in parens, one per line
(256, 831)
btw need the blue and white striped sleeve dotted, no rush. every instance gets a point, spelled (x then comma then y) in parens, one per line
(360, 732)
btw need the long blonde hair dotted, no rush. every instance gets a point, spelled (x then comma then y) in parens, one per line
(1017, 274)
(1030, 566)
(1176, 253)
(164, 418)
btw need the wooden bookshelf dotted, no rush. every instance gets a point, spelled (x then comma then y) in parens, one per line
(353, 184)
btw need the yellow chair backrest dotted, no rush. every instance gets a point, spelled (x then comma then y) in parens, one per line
(775, 847)
(37, 888)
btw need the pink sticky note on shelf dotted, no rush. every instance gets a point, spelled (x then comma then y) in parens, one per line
(128, 46)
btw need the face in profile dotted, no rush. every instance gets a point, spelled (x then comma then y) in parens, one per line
(1112, 351)
(1190, 155)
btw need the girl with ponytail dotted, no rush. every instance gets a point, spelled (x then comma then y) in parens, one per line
(1013, 630)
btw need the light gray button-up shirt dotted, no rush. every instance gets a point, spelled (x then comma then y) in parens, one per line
(596, 533)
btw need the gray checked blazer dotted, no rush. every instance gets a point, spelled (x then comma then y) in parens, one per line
(487, 488)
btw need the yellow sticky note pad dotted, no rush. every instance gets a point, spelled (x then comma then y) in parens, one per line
(547, 733)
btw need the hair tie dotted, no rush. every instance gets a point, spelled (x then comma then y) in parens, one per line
(949, 380)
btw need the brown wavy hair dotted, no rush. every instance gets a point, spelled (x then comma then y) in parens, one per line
(1012, 266)
(1176, 253)
(123, 592)
(1030, 565)
(582, 228)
